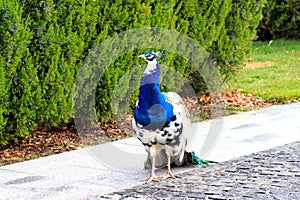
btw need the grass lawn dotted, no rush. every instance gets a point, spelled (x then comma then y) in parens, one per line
(273, 71)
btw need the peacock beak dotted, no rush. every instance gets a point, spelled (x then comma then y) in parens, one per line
(142, 56)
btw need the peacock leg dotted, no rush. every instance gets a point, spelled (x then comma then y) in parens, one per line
(152, 177)
(169, 174)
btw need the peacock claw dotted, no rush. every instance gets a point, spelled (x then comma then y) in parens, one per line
(151, 178)
(168, 175)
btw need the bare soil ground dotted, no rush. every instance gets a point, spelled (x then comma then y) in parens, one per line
(259, 64)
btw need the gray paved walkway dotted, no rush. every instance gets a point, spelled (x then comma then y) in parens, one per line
(271, 174)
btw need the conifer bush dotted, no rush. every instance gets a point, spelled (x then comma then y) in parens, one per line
(44, 43)
(281, 20)
(17, 74)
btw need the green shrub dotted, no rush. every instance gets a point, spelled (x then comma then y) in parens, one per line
(44, 44)
(16, 73)
(281, 20)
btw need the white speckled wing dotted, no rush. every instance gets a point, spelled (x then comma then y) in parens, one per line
(179, 107)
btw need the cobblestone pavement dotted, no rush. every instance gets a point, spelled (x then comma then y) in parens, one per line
(271, 174)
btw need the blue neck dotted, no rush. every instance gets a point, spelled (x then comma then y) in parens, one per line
(152, 110)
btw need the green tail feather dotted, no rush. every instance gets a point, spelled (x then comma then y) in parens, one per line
(195, 159)
(164, 55)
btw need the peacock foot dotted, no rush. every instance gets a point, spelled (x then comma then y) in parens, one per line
(151, 178)
(168, 175)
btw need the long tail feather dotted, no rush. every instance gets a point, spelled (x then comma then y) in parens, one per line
(196, 160)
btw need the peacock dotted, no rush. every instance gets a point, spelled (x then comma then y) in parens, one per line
(160, 120)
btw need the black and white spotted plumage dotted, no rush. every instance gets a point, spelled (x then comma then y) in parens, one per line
(160, 120)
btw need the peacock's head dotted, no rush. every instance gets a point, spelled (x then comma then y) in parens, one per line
(151, 56)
